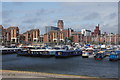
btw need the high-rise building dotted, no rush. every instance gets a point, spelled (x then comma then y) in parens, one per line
(60, 24)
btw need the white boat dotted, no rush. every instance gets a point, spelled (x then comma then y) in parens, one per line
(9, 50)
(44, 52)
(88, 53)
(39, 52)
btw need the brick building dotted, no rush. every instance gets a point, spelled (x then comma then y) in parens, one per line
(106, 39)
(96, 31)
(68, 32)
(13, 34)
(22, 38)
(41, 38)
(54, 36)
(32, 35)
(9, 35)
(77, 37)
(2, 35)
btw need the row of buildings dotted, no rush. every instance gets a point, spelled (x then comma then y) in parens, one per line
(57, 34)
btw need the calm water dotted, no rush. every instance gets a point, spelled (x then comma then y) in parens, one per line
(73, 65)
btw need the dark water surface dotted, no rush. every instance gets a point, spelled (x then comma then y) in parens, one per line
(73, 65)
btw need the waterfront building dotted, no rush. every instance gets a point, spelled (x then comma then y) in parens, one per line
(106, 39)
(13, 34)
(96, 31)
(68, 32)
(35, 33)
(77, 37)
(32, 35)
(86, 32)
(21, 39)
(57, 34)
(54, 36)
(60, 24)
(112, 38)
(1, 33)
(9, 35)
(41, 38)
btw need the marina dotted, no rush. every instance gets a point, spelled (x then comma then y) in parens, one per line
(82, 61)
(63, 51)
(73, 65)
(52, 40)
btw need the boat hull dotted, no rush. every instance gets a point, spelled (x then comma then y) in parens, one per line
(65, 54)
(9, 51)
(38, 53)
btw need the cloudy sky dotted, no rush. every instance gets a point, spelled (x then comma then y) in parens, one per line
(77, 15)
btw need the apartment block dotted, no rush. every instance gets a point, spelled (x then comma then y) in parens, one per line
(32, 35)
(54, 36)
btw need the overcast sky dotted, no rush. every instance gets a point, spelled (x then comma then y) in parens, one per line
(77, 15)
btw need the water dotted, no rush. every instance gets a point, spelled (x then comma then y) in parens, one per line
(73, 65)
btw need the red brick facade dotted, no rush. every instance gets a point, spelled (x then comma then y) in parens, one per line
(96, 31)
(54, 36)
(32, 35)
(68, 32)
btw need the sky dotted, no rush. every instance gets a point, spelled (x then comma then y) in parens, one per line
(76, 15)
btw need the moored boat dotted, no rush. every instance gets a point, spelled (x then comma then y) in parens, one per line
(114, 55)
(68, 53)
(88, 53)
(5, 50)
(43, 52)
(38, 52)
(100, 55)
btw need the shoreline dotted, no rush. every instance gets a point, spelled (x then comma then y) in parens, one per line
(30, 74)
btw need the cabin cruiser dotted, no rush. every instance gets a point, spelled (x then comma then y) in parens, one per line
(68, 53)
(100, 55)
(25, 50)
(9, 50)
(88, 53)
(37, 51)
(44, 52)
(114, 55)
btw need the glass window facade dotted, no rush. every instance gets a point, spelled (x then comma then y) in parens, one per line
(49, 28)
